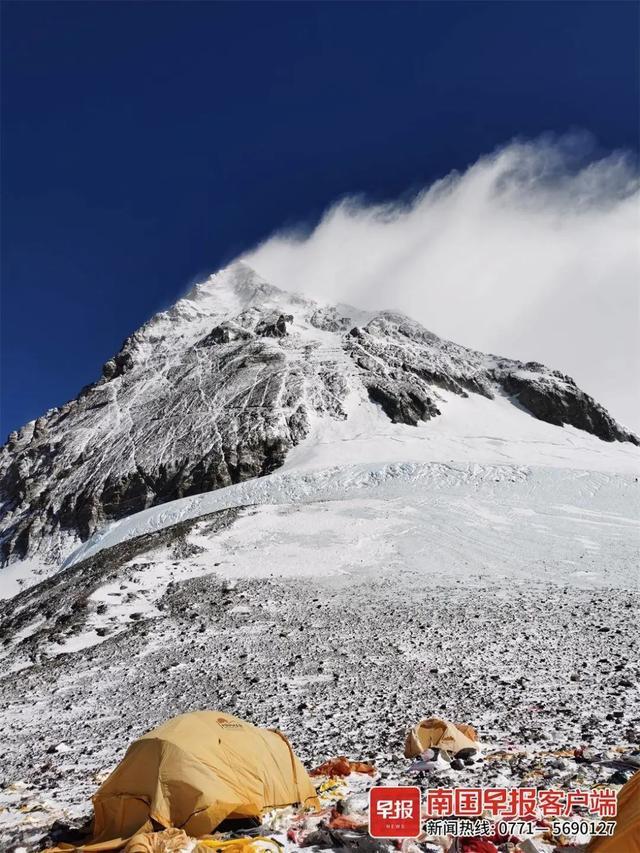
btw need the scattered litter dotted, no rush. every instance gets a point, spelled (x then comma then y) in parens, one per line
(175, 840)
(329, 807)
(325, 837)
(331, 790)
(257, 844)
(528, 846)
(341, 766)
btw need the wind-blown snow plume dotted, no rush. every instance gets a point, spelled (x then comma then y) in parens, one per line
(532, 251)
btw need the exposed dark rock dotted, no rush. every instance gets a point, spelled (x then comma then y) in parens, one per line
(118, 365)
(218, 335)
(403, 403)
(563, 404)
(273, 328)
(402, 362)
(225, 333)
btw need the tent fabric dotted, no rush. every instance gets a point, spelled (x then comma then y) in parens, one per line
(193, 772)
(626, 837)
(168, 841)
(434, 732)
(177, 841)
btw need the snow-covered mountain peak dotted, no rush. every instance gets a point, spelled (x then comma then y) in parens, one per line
(239, 378)
(232, 290)
(235, 294)
(223, 294)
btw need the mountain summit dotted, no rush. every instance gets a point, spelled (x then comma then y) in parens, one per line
(221, 387)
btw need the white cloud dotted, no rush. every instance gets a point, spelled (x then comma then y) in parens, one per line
(533, 252)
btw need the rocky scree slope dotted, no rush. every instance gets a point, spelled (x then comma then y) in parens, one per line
(221, 386)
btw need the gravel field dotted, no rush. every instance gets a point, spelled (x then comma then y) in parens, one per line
(342, 666)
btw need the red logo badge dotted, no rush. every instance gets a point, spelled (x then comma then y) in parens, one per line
(394, 812)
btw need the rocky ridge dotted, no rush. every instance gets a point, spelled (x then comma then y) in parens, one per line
(220, 387)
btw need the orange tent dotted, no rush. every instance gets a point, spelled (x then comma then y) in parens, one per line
(626, 837)
(193, 772)
(434, 732)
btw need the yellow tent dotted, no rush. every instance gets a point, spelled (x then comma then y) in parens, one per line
(193, 772)
(435, 732)
(626, 838)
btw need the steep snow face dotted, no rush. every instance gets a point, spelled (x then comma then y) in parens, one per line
(397, 482)
(219, 390)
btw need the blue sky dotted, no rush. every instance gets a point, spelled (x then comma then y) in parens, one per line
(145, 144)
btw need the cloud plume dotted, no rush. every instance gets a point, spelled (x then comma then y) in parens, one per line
(532, 252)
